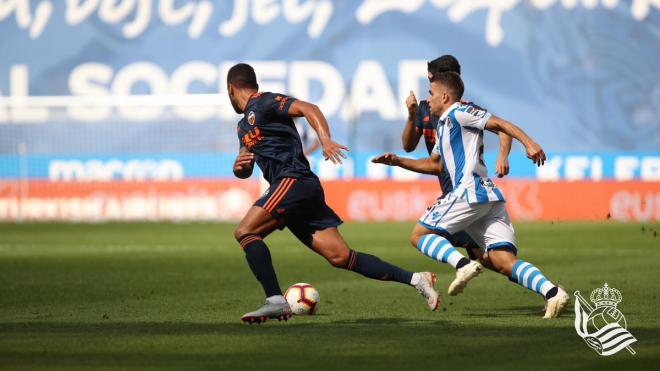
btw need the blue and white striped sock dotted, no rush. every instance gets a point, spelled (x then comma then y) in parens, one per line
(527, 275)
(438, 248)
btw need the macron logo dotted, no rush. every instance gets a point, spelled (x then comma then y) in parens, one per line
(104, 171)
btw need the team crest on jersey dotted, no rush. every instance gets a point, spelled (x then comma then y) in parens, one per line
(251, 118)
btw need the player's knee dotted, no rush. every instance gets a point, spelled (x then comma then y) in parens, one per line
(486, 262)
(241, 232)
(502, 269)
(414, 239)
(338, 258)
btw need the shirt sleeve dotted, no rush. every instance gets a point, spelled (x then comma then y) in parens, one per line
(472, 117)
(278, 105)
(436, 146)
(419, 115)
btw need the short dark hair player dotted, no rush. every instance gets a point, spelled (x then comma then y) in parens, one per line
(295, 198)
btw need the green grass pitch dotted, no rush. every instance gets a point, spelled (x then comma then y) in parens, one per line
(169, 296)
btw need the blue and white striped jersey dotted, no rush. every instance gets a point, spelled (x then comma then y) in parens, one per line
(460, 144)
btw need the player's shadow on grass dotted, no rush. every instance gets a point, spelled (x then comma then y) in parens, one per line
(183, 345)
(391, 322)
(534, 311)
(189, 328)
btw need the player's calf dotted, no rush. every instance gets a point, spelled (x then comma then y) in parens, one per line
(329, 244)
(338, 259)
(440, 249)
(530, 277)
(261, 264)
(373, 267)
(527, 275)
(502, 261)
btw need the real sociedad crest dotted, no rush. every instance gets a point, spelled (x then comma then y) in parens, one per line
(603, 327)
(251, 118)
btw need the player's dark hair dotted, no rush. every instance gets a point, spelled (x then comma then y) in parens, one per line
(452, 81)
(445, 63)
(242, 75)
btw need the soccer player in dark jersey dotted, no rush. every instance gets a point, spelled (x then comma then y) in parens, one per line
(420, 123)
(295, 197)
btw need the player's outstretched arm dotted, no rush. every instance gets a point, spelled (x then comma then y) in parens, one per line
(244, 163)
(411, 133)
(502, 162)
(331, 150)
(534, 151)
(429, 165)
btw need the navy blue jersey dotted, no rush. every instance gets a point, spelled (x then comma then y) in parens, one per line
(267, 131)
(428, 124)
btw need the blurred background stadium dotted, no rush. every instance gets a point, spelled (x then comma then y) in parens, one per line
(117, 110)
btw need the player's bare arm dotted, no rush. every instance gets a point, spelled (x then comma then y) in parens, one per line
(244, 163)
(502, 162)
(429, 165)
(411, 133)
(331, 150)
(534, 151)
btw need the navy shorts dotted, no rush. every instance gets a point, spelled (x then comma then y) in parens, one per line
(300, 202)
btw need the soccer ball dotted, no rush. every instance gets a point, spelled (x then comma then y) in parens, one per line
(302, 298)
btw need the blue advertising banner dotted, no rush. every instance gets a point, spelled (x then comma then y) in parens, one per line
(177, 166)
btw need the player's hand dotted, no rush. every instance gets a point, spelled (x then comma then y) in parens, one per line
(243, 161)
(535, 153)
(387, 158)
(502, 166)
(411, 103)
(333, 151)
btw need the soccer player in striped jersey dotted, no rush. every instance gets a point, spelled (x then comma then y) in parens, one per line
(295, 198)
(475, 204)
(420, 123)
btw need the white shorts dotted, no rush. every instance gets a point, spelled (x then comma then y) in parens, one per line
(487, 223)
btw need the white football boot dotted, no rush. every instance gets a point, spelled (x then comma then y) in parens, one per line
(556, 304)
(463, 276)
(281, 311)
(426, 289)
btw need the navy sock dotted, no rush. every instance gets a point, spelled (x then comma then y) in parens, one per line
(372, 267)
(463, 262)
(551, 293)
(258, 258)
